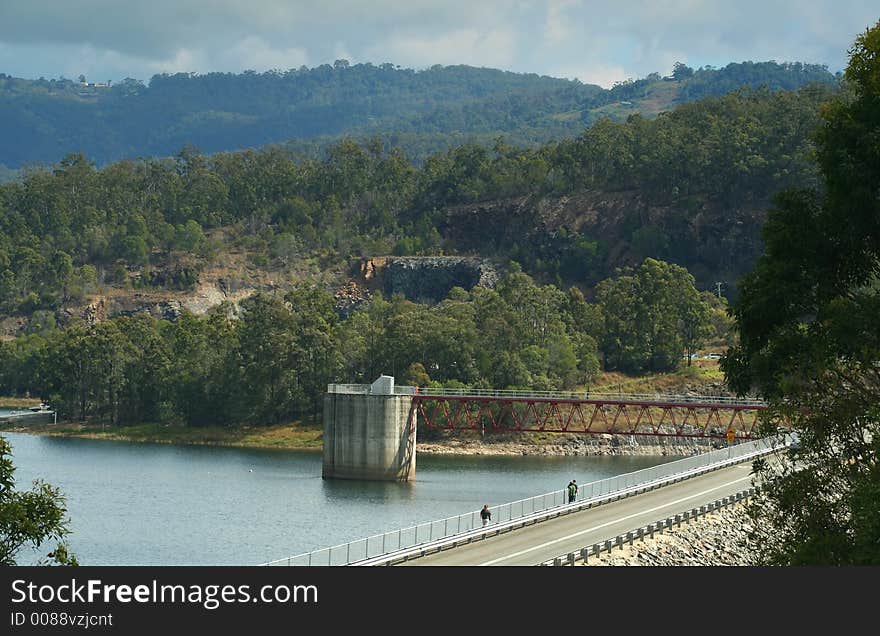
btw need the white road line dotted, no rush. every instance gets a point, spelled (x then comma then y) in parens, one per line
(599, 527)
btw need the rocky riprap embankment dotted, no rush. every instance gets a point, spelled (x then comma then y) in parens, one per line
(716, 539)
(571, 446)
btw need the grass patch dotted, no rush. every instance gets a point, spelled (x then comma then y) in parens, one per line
(16, 402)
(703, 372)
(291, 436)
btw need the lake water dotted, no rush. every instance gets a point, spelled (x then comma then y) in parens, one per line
(159, 504)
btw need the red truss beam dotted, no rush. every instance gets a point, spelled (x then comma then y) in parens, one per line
(594, 417)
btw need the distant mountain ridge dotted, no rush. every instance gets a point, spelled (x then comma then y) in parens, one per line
(309, 109)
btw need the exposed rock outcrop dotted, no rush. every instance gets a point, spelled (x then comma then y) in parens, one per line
(350, 296)
(425, 278)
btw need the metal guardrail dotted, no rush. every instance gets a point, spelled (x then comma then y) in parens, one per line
(639, 534)
(364, 389)
(27, 416)
(461, 526)
(483, 533)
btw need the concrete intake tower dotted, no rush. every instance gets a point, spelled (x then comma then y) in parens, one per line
(369, 432)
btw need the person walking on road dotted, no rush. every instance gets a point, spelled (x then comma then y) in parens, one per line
(572, 490)
(486, 515)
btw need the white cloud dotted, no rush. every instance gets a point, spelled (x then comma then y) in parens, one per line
(558, 27)
(599, 74)
(255, 54)
(183, 61)
(121, 38)
(341, 52)
(493, 48)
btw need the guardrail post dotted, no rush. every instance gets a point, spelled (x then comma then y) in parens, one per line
(651, 529)
(571, 558)
(629, 538)
(608, 545)
(557, 561)
(585, 553)
(686, 517)
(640, 533)
(678, 520)
(597, 549)
(669, 522)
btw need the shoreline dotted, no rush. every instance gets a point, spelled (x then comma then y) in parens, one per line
(280, 437)
(307, 434)
(308, 437)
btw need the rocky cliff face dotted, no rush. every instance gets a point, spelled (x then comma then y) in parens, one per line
(427, 278)
(715, 241)
(431, 278)
(161, 305)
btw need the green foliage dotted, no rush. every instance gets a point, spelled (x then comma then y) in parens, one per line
(28, 519)
(709, 166)
(706, 81)
(272, 359)
(809, 342)
(423, 112)
(652, 315)
(681, 71)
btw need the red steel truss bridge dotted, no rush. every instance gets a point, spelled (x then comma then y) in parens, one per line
(585, 413)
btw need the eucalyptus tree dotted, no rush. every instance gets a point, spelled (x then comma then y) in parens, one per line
(807, 317)
(651, 315)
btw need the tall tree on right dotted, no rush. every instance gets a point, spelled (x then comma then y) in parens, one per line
(808, 316)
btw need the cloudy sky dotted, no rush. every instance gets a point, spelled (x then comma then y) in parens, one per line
(596, 41)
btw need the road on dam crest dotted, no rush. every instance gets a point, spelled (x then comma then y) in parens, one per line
(540, 542)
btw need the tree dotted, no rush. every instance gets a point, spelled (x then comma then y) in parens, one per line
(316, 357)
(651, 315)
(30, 518)
(681, 71)
(695, 324)
(810, 343)
(270, 378)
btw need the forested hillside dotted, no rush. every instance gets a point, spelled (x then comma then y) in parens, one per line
(676, 201)
(423, 112)
(690, 186)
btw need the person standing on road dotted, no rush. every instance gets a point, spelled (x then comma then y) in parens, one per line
(486, 515)
(572, 490)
